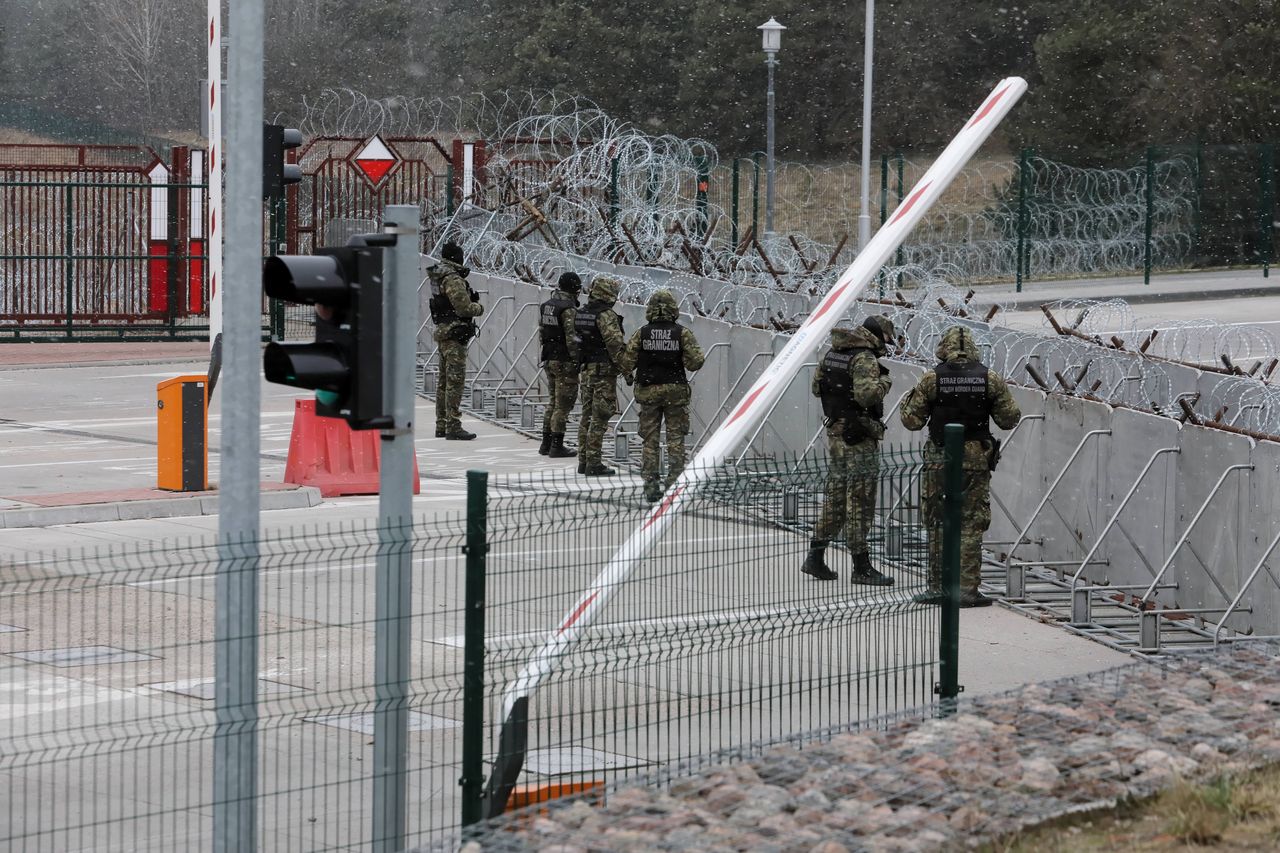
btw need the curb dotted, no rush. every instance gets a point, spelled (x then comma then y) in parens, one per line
(300, 498)
(1025, 304)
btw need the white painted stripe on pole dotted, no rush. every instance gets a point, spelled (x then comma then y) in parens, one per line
(213, 106)
(773, 382)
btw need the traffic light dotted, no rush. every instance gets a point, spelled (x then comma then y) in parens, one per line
(344, 363)
(276, 173)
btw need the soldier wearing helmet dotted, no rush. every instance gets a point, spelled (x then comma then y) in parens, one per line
(560, 361)
(661, 352)
(959, 390)
(852, 384)
(600, 344)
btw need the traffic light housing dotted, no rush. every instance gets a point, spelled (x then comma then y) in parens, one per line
(276, 173)
(343, 365)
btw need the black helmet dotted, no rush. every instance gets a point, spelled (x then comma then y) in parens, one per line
(881, 327)
(569, 282)
(452, 252)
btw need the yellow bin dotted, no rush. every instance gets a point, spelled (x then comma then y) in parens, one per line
(182, 430)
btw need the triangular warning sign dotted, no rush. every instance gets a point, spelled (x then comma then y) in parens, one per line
(375, 160)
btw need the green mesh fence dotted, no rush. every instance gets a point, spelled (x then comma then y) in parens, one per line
(717, 640)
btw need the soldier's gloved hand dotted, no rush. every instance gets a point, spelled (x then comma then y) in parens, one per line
(628, 378)
(884, 371)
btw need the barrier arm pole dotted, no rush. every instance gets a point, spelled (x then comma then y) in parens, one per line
(766, 390)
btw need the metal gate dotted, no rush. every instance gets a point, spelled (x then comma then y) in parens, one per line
(101, 242)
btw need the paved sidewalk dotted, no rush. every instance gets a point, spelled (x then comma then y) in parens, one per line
(72, 354)
(1164, 287)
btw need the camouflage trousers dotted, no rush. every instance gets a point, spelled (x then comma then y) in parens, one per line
(659, 404)
(453, 376)
(975, 518)
(562, 382)
(599, 385)
(853, 480)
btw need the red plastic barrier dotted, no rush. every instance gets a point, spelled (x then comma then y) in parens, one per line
(328, 454)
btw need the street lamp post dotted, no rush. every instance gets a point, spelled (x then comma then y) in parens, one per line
(864, 217)
(771, 32)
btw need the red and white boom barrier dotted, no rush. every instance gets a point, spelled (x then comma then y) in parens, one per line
(766, 390)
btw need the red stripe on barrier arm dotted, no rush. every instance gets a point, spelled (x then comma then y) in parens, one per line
(910, 202)
(663, 507)
(827, 303)
(986, 108)
(573, 617)
(746, 404)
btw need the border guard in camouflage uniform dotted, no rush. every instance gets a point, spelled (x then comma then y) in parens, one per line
(560, 361)
(600, 349)
(960, 390)
(454, 307)
(660, 352)
(852, 384)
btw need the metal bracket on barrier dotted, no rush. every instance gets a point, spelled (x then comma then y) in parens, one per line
(526, 416)
(477, 399)
(500, 407)
(621, 448)
(790, 507)
(1081, 607)
(1015, 582)
(1149, 631)
(429, 382)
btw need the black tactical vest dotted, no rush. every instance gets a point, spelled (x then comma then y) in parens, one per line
(441, 306)
(962, 399)
(835, 387)
(661, 357)
(591, 348)
(554, 347)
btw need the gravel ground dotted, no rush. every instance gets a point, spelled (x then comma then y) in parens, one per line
(1000, 764)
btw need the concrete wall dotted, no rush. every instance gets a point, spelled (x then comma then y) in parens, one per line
(1209, 568)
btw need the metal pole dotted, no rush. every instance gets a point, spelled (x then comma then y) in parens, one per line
(768, 191)
(864, 218)
(1023, 166)
(734, 220)
(952, 511)
(1266, 205)
(395, 513)
(472, 781)
(1150, 199)
(236, 588)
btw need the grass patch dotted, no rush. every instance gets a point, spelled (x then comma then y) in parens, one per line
(1234, 813)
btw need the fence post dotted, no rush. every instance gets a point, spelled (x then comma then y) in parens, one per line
(448, 192)
(1266, 205)
(952, 510)
(898, 259)
(734, 204)
(700, 198)
(171, 250)
(755, 197)
(1023, 167)
(276, 219)
(884, 204)
(181, 175)
(1151, 196)
(613, 192)
(472, 780)
(69, 243)
(1195, 209)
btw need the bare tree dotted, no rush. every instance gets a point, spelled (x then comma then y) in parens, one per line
(135, 33)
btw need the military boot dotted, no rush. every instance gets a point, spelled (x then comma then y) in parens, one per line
(440, 430)
(546, 442)
(598, 469)
(582, 462)
(816, 563)
(557, 449)
(458, 434)
(973, 598)
(865, 573)
(652, 491)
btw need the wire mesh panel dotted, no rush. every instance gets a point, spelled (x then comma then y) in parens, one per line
(717, 639)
